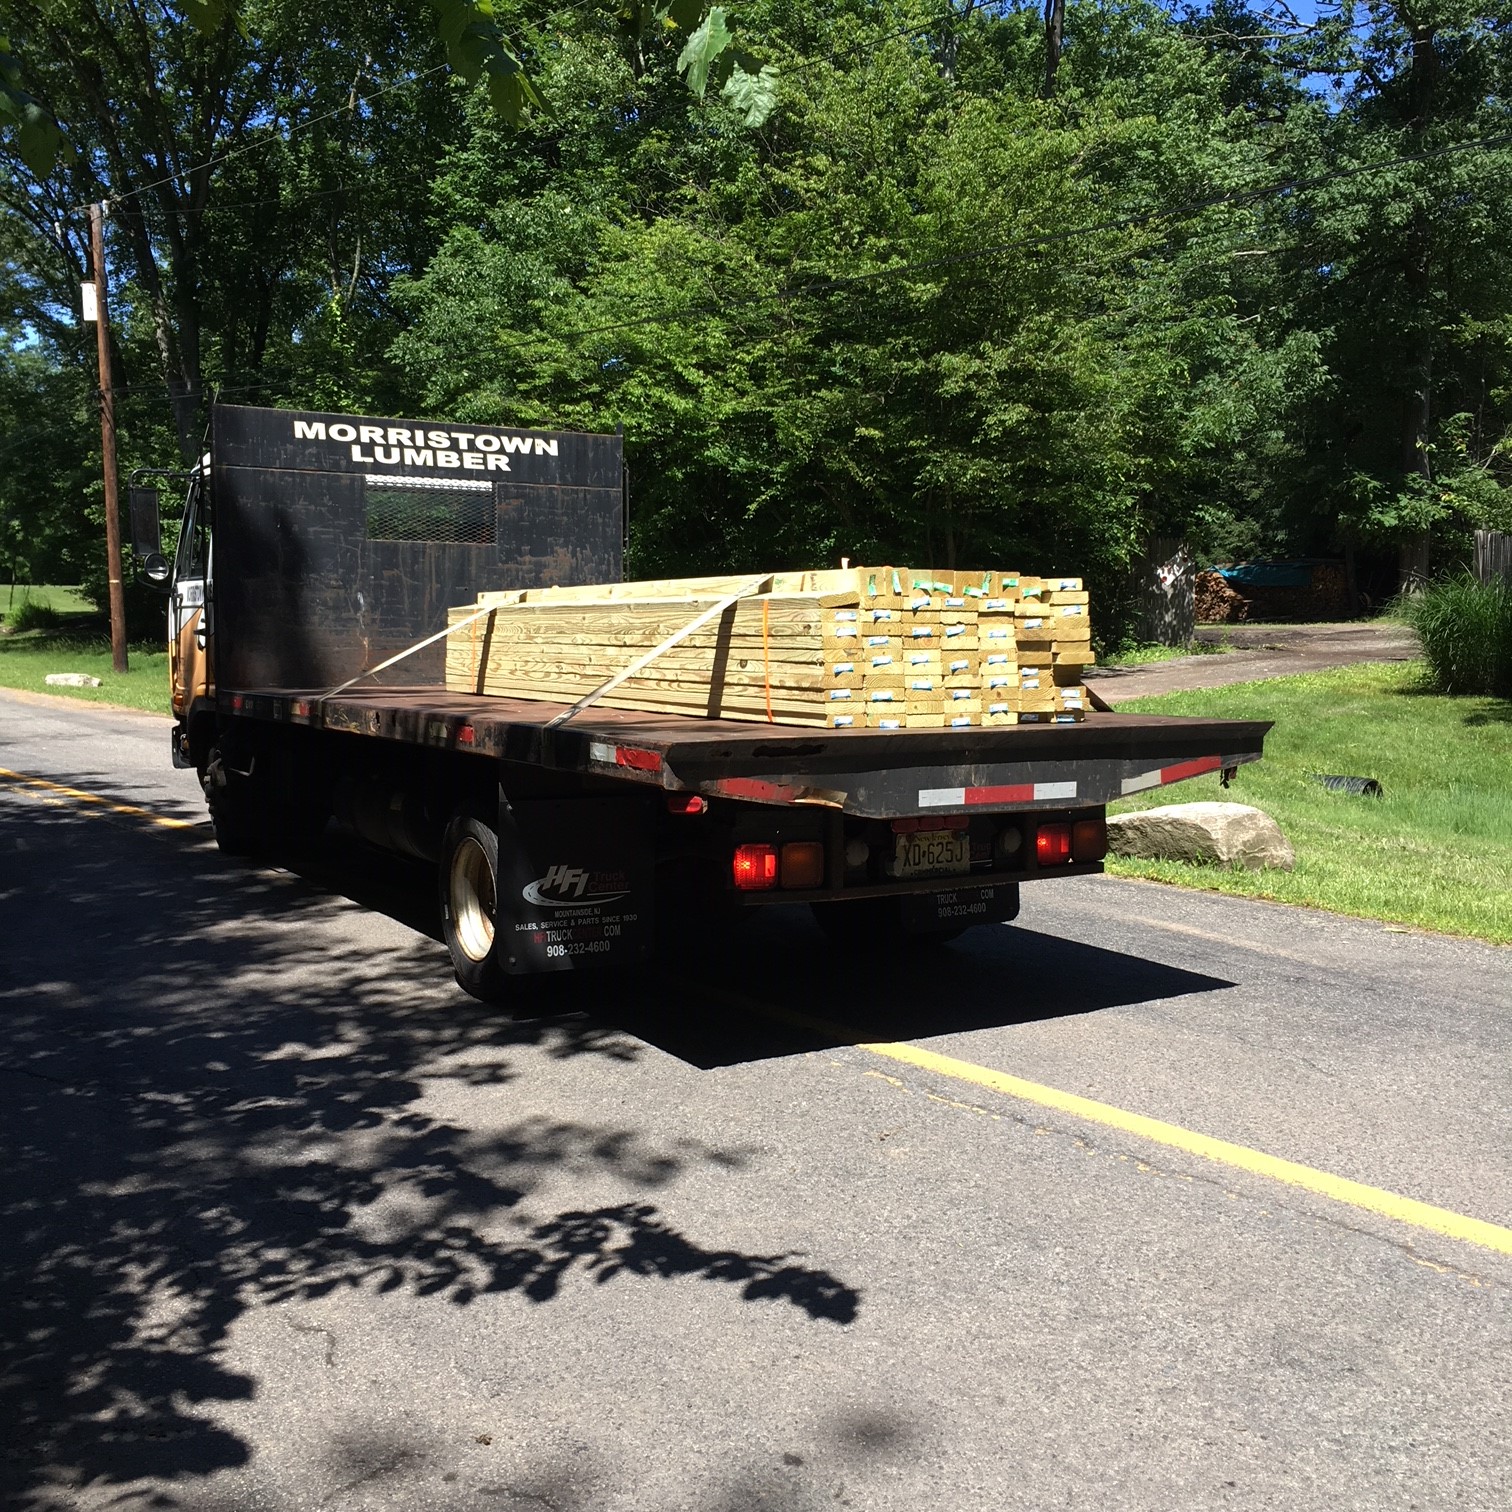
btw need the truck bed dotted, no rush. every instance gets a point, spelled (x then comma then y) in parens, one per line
(879, 774)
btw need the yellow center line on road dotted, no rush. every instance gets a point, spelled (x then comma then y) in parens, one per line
(43, 787)
(1408, 1210)
(1392, 1205)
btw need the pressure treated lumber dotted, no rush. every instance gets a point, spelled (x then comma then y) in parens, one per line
(867, 647)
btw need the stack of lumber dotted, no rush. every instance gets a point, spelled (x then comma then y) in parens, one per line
(856, 648)
(1053, 636)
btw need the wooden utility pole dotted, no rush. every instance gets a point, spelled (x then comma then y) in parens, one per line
(1055, 36)
(108, 445)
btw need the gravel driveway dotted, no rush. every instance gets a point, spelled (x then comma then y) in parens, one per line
(1263, 651)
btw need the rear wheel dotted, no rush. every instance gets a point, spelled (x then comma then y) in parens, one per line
(864, 922)
(469, 877)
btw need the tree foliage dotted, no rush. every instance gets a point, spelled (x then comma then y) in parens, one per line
(933, 279)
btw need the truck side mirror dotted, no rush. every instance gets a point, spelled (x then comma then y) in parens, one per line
(147, 539)
(146, 532)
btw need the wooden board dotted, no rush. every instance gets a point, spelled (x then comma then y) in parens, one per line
(882, 647)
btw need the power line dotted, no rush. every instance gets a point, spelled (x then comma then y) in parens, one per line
(818, 285)
(274, 134)
(848, 54)
(821, 285)
(295, 204)
(946, 22)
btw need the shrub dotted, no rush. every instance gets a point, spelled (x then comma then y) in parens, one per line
(1465, 627)
(33, 614)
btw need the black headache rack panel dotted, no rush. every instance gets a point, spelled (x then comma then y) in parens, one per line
(868, 773)
(341, 540)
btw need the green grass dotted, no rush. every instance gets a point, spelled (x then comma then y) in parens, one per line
(61, 600)
(26, 661)
(1435, 852)
(1144, 656)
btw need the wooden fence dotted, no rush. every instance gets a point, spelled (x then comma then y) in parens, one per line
(1493, 554)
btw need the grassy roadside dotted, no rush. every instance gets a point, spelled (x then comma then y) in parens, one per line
(1148, 656)
(25, 661)
(1435, 852)
(59, 599)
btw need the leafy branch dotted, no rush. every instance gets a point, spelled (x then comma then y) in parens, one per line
(39, 138)
(479, 47)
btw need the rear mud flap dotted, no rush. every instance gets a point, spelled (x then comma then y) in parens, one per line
(576, 883)
(924, 913)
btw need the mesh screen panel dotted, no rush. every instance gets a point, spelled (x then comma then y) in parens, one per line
(430, 509)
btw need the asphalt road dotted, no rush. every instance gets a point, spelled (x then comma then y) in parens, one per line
(291, 1224)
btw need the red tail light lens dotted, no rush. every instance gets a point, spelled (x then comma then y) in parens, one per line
(687, 803)
(1052, 844)
(1089, 839)
(755, 867)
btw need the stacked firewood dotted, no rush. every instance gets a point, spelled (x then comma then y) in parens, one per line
(1216, 603)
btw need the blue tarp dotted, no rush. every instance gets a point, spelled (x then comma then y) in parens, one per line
(1268, 574)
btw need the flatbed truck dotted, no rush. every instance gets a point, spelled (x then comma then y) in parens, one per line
(316, 549)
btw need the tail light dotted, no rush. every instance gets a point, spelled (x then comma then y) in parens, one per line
(803, 864)
(1052, 844)
(687, 803)
(1089, 839)
(755, 867)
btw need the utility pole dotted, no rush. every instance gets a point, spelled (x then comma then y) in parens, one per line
(1055, 36)
(108, 444)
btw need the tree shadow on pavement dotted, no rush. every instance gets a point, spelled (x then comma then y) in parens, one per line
(215, 1097)
(816, 1464)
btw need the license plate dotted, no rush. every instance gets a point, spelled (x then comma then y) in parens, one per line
(931, 853)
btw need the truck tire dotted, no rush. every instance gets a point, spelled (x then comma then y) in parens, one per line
(469, 874)
(237, 812)
(249, 820)
(862, 922)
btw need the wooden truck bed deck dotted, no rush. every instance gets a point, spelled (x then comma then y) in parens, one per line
(874, 773)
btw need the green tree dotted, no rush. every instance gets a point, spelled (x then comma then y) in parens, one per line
(252, 185)
(1410, 282)
(924, 314)
(45, 536)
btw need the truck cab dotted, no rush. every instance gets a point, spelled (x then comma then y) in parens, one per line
(191, 654)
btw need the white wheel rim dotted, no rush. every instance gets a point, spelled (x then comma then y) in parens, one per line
(472, 899)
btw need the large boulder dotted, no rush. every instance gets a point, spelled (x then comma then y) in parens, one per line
(1202, 832)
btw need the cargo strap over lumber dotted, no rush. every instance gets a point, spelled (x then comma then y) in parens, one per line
(866, 773)
(853, 648)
